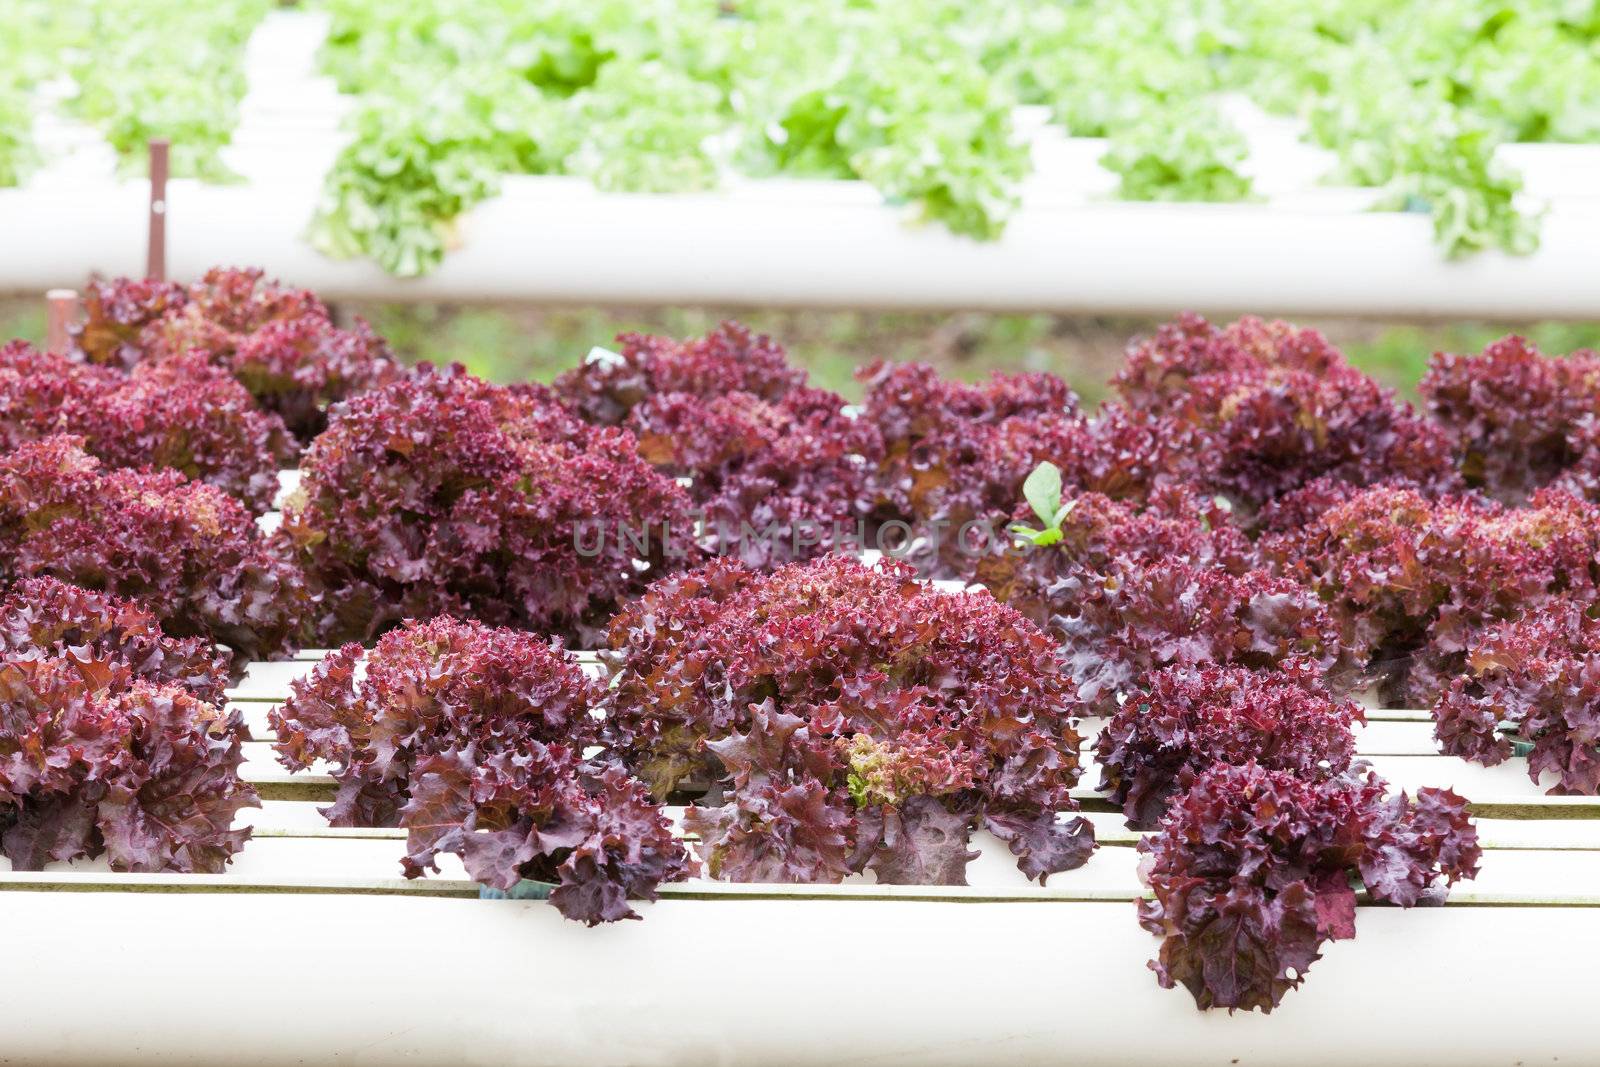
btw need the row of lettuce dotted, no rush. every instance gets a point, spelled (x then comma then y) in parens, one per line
(1208, 567)
(917, 98)
(827, 720)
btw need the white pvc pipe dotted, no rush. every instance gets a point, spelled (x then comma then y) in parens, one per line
(337, 979)
(819, 244)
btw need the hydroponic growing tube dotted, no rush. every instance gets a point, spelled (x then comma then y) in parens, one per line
(464, 982)
(820, 244)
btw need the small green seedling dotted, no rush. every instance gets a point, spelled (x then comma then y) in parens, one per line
(1042, 489)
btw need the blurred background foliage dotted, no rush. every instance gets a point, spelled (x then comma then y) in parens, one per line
(518, 343)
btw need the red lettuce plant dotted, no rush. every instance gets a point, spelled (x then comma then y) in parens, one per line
(955, 453)
(1119, 453)
(1412, 580)
(194, 418)
(473, 739)
(1186, 719)
(1267, 408)
(914, 405)
(958, 454)
(774, 481)
(1516, 417)
(1131, 590)
(607, 386)
(1120, 626)
(96, 761)
(847, 719)
(1304, 508)
(116, 314)
(299, 367)
(1036, 575)
(281, 343)
(1536, 680)
(188, 553)
(428, 687)
(181, 413)
(589, 828)
(42, 394)
(54, 618)
(443, 494)
(778, 470)
(1159, 373)
(1252, 871)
